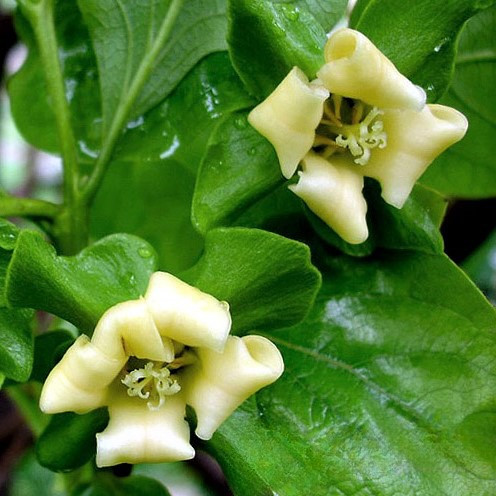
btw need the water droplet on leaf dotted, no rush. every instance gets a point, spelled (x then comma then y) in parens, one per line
(144, 253)
(240, 122)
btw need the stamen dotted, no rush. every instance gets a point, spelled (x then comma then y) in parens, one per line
(337, 99)
(360, 138)
(151, 382)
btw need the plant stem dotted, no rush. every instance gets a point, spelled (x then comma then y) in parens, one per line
(11, 206)
(71, 231)
(125, 106)
(29, 409)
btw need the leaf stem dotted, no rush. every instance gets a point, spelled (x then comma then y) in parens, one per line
(126, 105)
(11, 206)
(72, 232)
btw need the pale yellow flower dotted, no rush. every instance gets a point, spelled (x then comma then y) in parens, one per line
(360, 117)
(147, 360)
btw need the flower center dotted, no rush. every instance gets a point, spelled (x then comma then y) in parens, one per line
(345, 127)
(155, 380)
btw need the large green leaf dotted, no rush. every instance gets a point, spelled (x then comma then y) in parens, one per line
(419, 37)
(79, 288)
(30, 105)
(157, 161)
(68, 442)
(125, 32)
(266, 39)
(390, 387)
(267, 280)
(468, 169)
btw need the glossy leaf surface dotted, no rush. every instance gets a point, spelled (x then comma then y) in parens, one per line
(389, 383)
(418, 37)
(267, 280)
(468, 169)
(125, 33)
(68, 442)
(80, 288)
(266, 39)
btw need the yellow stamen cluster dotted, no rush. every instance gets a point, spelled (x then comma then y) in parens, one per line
(153, 382)
(359, 137)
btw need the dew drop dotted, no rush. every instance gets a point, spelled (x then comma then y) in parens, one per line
(240, 122)
(144, 253)
(252, 151)
(291, 13)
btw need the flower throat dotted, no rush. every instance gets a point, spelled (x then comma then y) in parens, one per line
(349, 124)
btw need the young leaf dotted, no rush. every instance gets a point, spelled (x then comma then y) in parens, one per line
(266, 39)
(80, 288)
(389, 383)
(127, 35)
(68, 442)
(468, 169)
(267, 280)
(16, 343)
(418, 37)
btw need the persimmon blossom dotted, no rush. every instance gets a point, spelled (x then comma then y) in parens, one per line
(147, 360)
(359, 118)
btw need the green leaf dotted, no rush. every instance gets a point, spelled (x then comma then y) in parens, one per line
(29, 478)
(327, 12)
(16, 343)
(266, 39)
(389, 386)
(468, 169)
(30, 107)
(106, 484)
(157, 161)
(68, 442)
(124, 34)
(267, 280)
(80, 288)
(48, 350)
(239, 167)
(419, 37)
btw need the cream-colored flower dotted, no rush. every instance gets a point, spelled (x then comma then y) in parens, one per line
(147, 360)
(360, 117)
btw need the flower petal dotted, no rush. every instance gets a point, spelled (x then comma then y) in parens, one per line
(288, 118)
(356, 68)
(415, 139)
(128, 329)
(186, 314)
(136, 434)
(221, 382)
(78, 383)
(332, 189)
